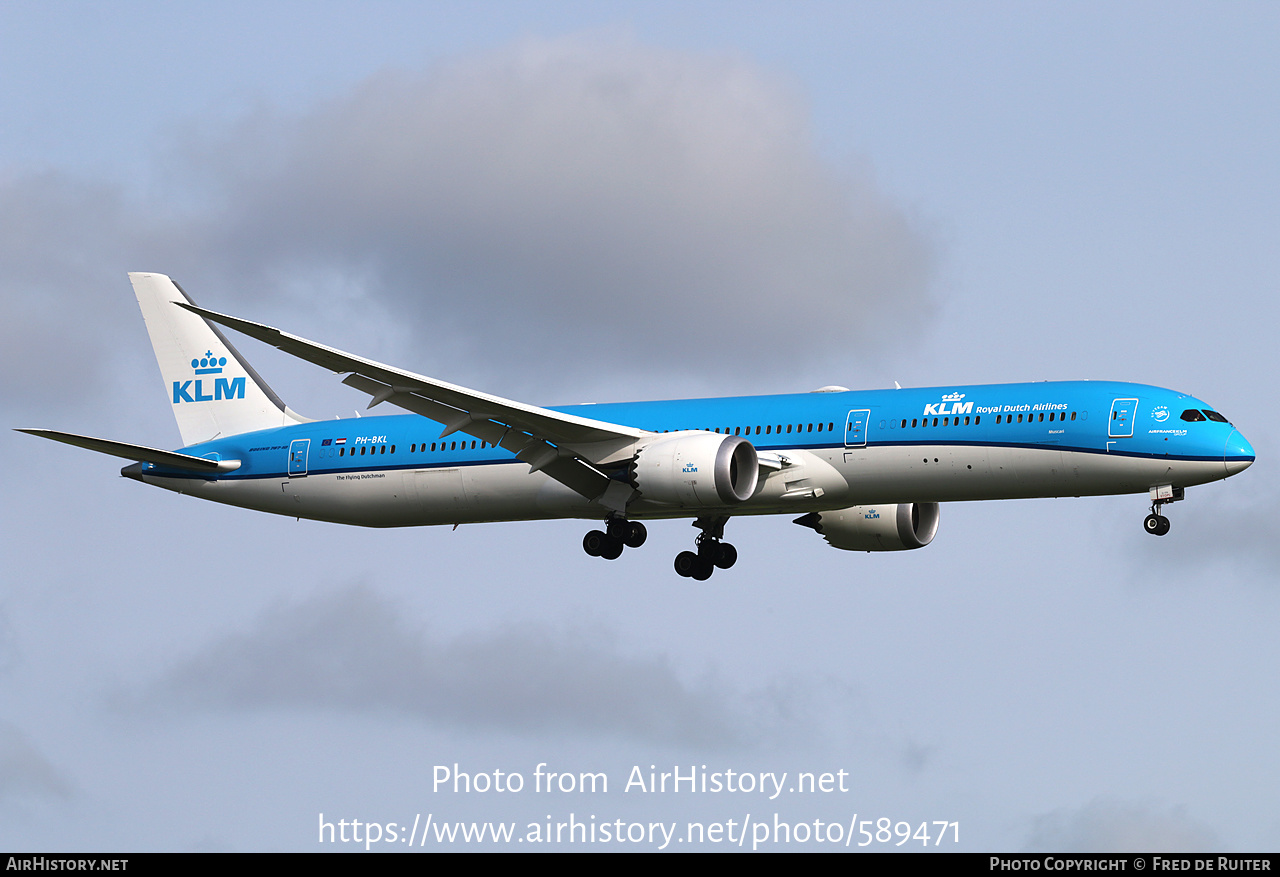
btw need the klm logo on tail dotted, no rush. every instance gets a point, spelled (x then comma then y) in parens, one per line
(222, 387)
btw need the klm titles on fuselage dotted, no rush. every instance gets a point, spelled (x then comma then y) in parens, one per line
(938, 409)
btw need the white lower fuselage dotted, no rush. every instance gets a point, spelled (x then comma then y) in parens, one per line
(815, 480)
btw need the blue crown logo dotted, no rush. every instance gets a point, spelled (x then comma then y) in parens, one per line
(209, 364)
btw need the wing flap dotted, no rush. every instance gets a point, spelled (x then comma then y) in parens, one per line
(568, 468)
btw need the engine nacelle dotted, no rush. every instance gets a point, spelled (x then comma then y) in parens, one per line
(876, 528)
(697, 470)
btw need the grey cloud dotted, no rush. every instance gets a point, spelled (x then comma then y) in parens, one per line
(63, 243)
(590, 201)
(352, 651)
(1107, 825)
(24, 771)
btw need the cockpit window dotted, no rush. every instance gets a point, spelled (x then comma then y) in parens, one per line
(1191, 415)
(1215, 416)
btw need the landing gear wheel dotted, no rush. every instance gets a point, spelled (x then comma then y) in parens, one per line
(726, 555)
(702, 571)
(635, 534)
(686, 563)
(593, 543)
(612, 548)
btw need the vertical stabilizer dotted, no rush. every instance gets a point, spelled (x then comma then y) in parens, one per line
(213, 390)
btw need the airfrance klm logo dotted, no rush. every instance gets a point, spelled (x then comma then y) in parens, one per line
(222, 387)
(950, 404)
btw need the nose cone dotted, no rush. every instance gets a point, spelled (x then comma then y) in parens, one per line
(1239, 453)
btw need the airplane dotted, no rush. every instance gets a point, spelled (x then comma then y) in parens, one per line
(867, 470)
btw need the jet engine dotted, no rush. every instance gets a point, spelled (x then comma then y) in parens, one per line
(697, 470)
(876, 528)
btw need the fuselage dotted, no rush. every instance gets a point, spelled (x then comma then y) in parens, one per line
(819, 451)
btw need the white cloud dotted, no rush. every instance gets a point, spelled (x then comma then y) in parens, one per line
(594, 202)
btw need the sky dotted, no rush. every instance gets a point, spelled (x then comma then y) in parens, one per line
(565, 202)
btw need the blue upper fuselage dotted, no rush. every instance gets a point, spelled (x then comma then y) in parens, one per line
(1085, 416)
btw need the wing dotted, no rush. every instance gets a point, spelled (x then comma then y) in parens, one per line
(173, 459)
(572, 450)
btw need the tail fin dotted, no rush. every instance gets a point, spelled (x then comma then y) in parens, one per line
(214, 391)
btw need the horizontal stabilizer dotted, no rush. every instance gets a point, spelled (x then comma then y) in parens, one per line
(172, 459)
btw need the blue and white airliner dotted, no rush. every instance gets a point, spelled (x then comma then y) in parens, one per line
(865, 469)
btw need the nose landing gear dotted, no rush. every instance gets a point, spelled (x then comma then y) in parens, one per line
(1155, 523)
(711, 551)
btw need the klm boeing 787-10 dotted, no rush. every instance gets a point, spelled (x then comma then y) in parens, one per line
(866, 469)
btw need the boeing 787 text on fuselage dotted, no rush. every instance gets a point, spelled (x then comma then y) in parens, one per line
(865, 469)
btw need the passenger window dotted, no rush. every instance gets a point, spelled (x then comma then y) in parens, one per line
(913, 423)
(1073, 415)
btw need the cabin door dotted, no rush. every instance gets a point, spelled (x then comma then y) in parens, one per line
(298, 449)
(855, 428)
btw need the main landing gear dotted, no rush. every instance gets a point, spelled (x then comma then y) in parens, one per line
(711, 551)
(1155, 523)
(619, 533)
